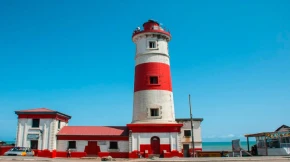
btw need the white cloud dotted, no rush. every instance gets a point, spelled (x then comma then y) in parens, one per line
(212, 136)
(228, 136)
(224, 136)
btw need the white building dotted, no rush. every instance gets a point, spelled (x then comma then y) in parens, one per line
(37, 128)
(185, 134)
(153, 130)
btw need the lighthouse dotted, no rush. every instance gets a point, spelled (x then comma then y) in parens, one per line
(153, 128)
(153, 97)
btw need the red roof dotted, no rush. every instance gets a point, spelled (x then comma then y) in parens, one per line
(37, 110)
(94, 130)
(41, 111)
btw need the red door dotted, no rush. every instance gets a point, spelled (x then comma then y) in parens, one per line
(155, 145)
(92, 148)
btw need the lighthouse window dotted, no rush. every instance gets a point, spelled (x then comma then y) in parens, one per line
(153, 79)
(152, 44)
(154, 112)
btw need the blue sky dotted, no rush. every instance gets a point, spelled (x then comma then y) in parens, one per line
(77, 57)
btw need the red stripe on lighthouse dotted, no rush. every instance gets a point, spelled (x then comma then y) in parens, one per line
(144, 71)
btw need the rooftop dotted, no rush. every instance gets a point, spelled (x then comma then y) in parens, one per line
(40, 111)
(279, 131)
(188, 119)
(37, 110)
(152, 26)
(94, 131)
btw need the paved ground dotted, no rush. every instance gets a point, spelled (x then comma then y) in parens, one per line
(227, 159)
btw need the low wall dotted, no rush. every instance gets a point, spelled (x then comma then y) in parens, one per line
(4, 149)
(210, 153)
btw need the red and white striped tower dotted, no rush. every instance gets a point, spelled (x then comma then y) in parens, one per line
(153, 128)
(153, 97)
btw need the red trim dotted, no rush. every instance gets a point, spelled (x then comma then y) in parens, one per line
(62, 118)
(35, 152)
(54, 153)
(73, 154)
(172, 154)
(4, 149)
(46, 153)
(134, 154)
(78, 137)
(144, 147)
(142, 128)
(191, 150)
(145, 70)
(152, 26)
(152, 31)
(43, 116)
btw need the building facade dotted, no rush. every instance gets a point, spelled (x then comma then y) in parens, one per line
(37, 129)
(152, 131)
(186, 138)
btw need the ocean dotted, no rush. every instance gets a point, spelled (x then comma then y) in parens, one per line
(226, 146)
(211, 146)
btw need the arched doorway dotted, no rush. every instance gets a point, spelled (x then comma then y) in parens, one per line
(155, 145)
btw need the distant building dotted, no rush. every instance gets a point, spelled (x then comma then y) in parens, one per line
(154, 131)
(283, 128)
(275, 143)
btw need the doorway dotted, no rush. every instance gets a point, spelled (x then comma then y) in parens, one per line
(155, 145)
(186, 150)
(92, 149)
(34, 144)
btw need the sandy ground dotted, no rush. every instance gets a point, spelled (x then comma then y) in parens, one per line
(227, 159)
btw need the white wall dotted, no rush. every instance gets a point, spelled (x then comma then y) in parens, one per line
(142, 45)
(81, 144)
(145, 138)
(122, 145)
(146, 99)
(63, 144)
(47, 139)
(140, 59)
(274, 151)
(196, 133)
(196, 130)
(196, 144)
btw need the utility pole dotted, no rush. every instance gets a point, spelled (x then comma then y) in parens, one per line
(192, 137)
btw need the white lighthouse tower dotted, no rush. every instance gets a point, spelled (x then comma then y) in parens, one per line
(153, 129)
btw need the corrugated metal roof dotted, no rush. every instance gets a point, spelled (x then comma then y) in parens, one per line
(94, 130)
